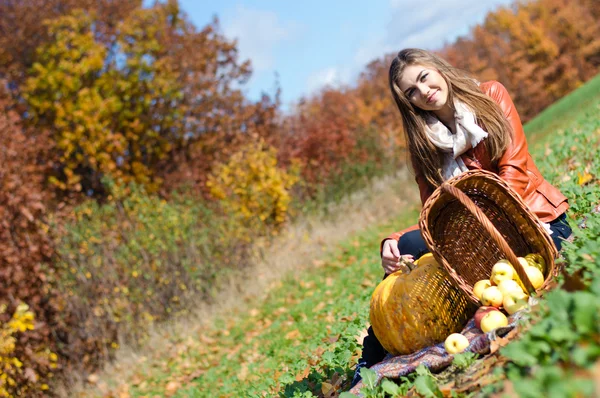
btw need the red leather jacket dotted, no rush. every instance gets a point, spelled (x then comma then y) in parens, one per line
(516, 166)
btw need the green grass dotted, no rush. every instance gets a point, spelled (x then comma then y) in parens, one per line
(554, 117)
(300, 340)
(301, 335)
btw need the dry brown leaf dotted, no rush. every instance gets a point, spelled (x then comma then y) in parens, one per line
(333, 339)
(367, 283)
(326, 389)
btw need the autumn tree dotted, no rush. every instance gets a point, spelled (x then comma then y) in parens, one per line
(25, 252)
(218, 117)
(111, 114)
(22, 30)
(376, 108)
(540, 50)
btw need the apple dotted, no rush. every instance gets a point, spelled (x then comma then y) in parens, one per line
(480, 313)
(492, 296)
(493, 320)
(532, 263)
(537, 265)
(480, 286)
(507, 285)
(537, 259)
(515, 300)
(535, 276)
(502, 270)
(523, 261)
(456, 343)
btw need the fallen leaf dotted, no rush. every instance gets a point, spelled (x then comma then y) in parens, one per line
(172, 387)
(243, 373)
(333, 339)
(588, 257)
(326, 388)
(584, 178)
(292, 335)
(302, 375)
(367, 283)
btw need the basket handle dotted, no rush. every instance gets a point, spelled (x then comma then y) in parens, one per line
(489, 227)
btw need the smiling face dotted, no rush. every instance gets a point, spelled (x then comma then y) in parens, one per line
(424, 87)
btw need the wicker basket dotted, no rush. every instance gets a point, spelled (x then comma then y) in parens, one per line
(475, 219)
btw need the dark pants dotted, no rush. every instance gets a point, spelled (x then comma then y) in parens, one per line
(413, 243)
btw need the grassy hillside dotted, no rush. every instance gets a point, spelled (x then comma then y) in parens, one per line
(301, 340)
(559, 115)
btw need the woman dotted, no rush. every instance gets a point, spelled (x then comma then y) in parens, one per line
(454, 124)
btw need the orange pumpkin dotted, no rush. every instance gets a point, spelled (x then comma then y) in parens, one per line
(410, 311)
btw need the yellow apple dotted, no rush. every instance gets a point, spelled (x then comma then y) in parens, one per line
(480, 286)
(538, 259)
(493, 320)
(502, 270)
(492, 297)
(515, 300)
(532, 263)
(506, 286)
(535, 276)
(523, 261)
(456, 343)
(480, 313)
(538, 266)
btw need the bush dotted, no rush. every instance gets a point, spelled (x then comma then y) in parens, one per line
(253, 189)
(24, 247)
(14, 368)
(136, 260)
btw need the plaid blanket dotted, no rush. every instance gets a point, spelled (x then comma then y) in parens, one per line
(435, 357)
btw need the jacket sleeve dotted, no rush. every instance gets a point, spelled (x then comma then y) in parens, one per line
(512, 165)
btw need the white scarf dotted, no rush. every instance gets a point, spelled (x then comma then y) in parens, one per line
(468, 135)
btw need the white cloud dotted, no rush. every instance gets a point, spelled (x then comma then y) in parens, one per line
(259, 33)
(429, 25)
(412, 24)
(331, 76)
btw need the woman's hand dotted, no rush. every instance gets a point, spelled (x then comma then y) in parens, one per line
(391, 260)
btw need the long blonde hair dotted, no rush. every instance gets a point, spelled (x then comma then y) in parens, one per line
(424, 155)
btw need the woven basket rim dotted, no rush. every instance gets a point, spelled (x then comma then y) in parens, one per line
(534, 222)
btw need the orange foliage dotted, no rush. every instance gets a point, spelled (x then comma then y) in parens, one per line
(24, 247)
(540, 50)
(22, 30)
(321, 134)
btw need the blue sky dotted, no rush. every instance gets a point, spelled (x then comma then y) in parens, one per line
(311, 43)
